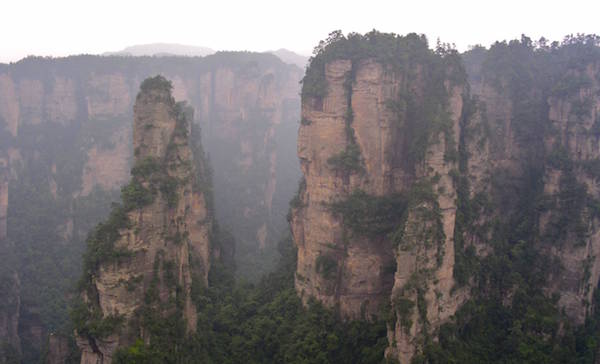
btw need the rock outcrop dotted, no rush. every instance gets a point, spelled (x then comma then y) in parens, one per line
(421, 177)
(374, 220)
(536, 139)
(573, 186)
(66, 150)
(59, 350)
(350, 274)
(146, 257)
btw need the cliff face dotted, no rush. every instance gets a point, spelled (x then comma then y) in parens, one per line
(574, 119)
(422, 185)
(66, 149)
(243, 102)
(374, 220)
(163, 244)
(351, 275)
(59, 351)
(542, 142)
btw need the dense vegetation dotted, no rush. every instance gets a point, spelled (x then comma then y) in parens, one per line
(45, 255)
(399, 52)
(47, 227)
(371, 215)
(511, 318)
(421, 119)
(262, 323)
(236, 321)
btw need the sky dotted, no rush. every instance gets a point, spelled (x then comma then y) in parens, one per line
(65, 27)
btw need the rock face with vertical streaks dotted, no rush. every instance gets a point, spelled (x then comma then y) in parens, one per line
(426, 174)
(374, 219)
(141, 263)
(66, 150)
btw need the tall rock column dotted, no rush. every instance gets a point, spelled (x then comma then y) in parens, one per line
(375, 215)
(142, 262)
(336, 264)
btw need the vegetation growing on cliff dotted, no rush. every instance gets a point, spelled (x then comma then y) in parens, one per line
(262, 323)
(421, 120)
(46, 252)
(153, 177)
(348, 161)
(48, 227)
(511, 318)
(371, 215)
(149, 177)
(399, 52)
(326, 266)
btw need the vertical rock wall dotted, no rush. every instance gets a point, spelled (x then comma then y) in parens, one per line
(66, 132)
(407, 194)
(572, 186)
(165, 244)
(404, 252)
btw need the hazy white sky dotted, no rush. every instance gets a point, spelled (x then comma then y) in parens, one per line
(63, 27)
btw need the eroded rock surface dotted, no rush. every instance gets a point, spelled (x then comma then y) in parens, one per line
(66, 150)
(164, 244)
(410, 190)
(408, 256)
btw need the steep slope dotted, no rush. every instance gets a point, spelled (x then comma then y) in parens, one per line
(529, 206)
(572, 185)
(141, 264)
(375, 215)
(66, 149)
(466, 204)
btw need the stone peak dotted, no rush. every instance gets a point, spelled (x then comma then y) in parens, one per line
(155, 118)
(156, 83)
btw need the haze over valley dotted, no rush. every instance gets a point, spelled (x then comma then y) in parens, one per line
(242, 183)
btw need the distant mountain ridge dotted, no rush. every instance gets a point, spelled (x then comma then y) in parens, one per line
(162, 49)
(174, 49)
(290, 57)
